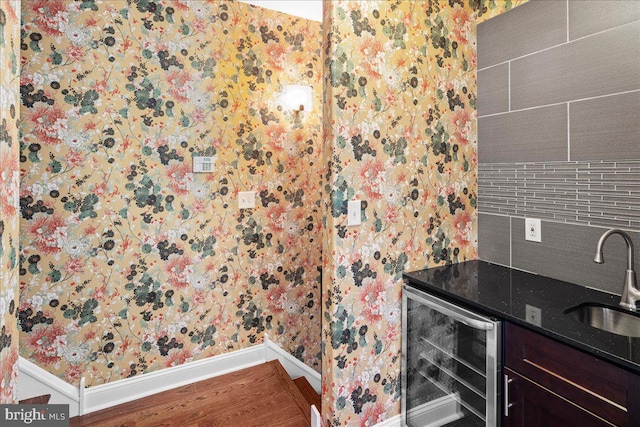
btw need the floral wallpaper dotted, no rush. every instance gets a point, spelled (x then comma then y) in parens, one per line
(400, 128)
(9, 189)
(129, 262)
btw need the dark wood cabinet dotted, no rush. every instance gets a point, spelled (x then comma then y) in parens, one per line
(553, 384)
(534, 406)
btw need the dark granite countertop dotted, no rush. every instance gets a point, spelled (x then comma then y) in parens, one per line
(504, 293)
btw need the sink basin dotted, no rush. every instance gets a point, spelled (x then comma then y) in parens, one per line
(611, 319)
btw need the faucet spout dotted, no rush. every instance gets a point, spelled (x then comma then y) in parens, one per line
(630, 291)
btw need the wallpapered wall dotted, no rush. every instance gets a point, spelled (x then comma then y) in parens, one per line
(130, 263)
(9, 191)
(401, 128)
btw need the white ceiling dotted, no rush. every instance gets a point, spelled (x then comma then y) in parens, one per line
(308, 9)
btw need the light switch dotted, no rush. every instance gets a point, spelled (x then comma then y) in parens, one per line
(203, 164)
(246, 199)
(354, 214)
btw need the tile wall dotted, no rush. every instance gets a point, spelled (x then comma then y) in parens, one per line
(559, 136)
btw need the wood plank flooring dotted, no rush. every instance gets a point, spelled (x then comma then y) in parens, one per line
(262, 395)
(38, 400)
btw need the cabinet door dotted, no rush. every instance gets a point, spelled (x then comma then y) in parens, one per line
(591, 383)
(533, 406)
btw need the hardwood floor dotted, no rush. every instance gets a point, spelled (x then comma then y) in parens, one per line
(262, 395)
(38, 400)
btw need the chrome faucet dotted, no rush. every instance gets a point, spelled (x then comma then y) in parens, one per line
(630, 292)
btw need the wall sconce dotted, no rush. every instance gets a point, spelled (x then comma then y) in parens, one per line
(295, 98)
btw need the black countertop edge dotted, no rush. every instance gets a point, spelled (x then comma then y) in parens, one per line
(482, 286)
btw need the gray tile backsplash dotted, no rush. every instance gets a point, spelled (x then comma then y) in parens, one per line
(493, 90)
(494, 243)
(588, 193)
(606, 128)
(591, 16)
(539, 134)
(528, 28)
(567, 150)
(566, 253)
(593, 66)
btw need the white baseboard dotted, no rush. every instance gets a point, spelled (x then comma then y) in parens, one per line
(391, 422)
(294, 367)
(35, 381)
(436, 412)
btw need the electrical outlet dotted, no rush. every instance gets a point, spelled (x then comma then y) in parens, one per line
(246, 199)
(534, 315)
(533, 229)
(354, 214)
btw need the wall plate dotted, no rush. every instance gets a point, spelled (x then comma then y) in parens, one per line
(354, 212)
(533, 229)
(246, 199)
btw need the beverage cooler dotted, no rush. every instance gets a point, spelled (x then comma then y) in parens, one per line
(450, 364)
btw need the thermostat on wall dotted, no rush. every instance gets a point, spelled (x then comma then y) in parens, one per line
(203, 164)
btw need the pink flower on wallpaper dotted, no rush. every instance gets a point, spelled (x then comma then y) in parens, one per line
(100, 189)
(391, 215)
(46, 232)
(276, 55)
(181, 4)
(177, 80)
(75, 52)
(462, 24)
(100, 293)
(177, 357)
(198, 206)
(9, 377)
(277, 216)
(178, 269)
(462, 122)
(277, 298)
(198, 115)
(73, 266)
(48, 14)
(392, 333)
(372, 415)
(179, 176)
(73, 373)
(371, 49)
(199, 25)
(277, 134)
(371, 173)
(47, 122)
(473, 59)
(44, 342)
(463, 224)
(373, 299)
(8, 185)
(74, 158)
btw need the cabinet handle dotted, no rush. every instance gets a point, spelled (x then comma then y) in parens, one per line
(507, 405)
